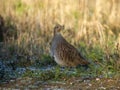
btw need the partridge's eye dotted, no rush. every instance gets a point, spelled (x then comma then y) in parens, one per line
(57, 27)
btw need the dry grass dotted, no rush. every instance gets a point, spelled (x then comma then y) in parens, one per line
(94, 22)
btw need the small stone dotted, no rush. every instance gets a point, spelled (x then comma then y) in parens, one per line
(103, 88)
(71, 83)
(118, 87)
(97, 79)
(90, 84)
(12, 80)
(86, 81)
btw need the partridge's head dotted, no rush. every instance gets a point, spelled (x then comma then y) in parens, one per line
(58, 28)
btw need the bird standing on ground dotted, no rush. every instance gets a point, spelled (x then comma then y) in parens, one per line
(63, 52)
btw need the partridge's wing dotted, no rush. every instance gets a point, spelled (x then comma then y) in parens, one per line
(68, 52)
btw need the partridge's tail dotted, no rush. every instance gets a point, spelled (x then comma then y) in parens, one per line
(85, 62)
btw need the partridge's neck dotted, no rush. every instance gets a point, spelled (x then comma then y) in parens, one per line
(58, 37)
(56, 33)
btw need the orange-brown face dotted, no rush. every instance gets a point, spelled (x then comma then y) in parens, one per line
(58, 28)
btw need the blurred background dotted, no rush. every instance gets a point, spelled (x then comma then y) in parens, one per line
(26, 27)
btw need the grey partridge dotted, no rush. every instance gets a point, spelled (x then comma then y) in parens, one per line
(63, 52)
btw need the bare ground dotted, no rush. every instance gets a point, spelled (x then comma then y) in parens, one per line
(75, 83)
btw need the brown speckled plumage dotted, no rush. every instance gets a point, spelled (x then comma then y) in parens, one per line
(63, 52)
